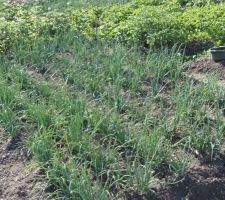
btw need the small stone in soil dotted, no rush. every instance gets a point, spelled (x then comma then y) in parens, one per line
(21, 192)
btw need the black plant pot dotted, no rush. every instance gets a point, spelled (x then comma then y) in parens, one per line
(218, 53)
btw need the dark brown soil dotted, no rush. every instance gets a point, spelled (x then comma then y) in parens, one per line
(205, 180)
(19, 178)
(207, 66)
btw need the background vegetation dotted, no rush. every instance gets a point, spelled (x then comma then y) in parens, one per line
(153, 24)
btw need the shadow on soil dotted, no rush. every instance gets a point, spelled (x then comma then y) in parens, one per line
(204, 181)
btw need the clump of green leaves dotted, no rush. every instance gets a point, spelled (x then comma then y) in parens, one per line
(153, 24)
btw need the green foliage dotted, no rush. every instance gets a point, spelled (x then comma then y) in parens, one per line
(156, 26)
(198, 2)
(101, 119)
(151, 23)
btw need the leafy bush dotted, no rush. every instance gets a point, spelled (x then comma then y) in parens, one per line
(155, 26)
(24, 24)
(152, 23)
(198, 2)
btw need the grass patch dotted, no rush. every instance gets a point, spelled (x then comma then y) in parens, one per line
(104, 120)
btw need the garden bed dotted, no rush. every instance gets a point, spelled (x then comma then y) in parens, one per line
(102, 119)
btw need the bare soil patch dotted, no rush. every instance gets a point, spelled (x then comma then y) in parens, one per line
(204, 180)
(18, 179)
(207, 67)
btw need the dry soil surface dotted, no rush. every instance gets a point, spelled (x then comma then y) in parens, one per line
(18, 178)
(205, 180)
(207, 67)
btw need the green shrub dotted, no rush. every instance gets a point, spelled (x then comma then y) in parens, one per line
(156, 26)
(152, 23)
(197, 2)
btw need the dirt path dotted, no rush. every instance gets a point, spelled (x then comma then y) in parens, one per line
(18, 179)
